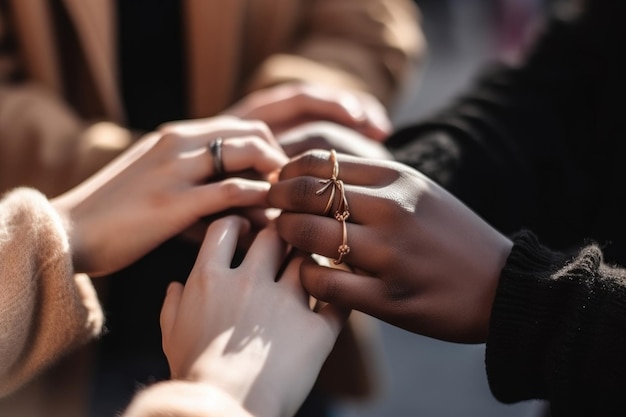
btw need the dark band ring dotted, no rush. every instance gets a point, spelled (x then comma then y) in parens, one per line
(215, 148)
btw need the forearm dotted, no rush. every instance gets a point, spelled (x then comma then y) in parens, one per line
(557, 331)
(45, 310)
(373, 50)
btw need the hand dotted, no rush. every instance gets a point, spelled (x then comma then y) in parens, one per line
(159, 187)
(423, 261)
(329, 135)
(243, 332)
(288, 105)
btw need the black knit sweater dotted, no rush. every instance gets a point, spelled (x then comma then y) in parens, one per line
(541, 147)
(558, 331)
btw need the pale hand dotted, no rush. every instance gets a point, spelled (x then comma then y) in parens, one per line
(289, 105)
(161, 186)
(330, 135)
(240, 330)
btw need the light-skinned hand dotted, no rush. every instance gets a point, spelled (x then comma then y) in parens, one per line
(247, 330)
(423, 260)
(288, 105)
(330, 135)
(161, 186)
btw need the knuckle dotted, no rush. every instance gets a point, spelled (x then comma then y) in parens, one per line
(257, 145)
(320, 283)
(397, 293)
(260, 129)
(170, 140)
(230, 190)
(312, 160)
(303, 189)
(225, 119)
(167, 127)
(327, 288)
(301, 233)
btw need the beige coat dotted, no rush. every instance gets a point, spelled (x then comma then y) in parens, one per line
(49, 141)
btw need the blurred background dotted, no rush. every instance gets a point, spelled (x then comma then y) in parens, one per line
(422, 376)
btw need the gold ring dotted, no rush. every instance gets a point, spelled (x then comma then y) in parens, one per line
(330, 183)
(343, 211)
(341, 215)
(343, 249)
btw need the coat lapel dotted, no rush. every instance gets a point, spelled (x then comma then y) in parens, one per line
(34, 24)
(95, 25)
(213, 39)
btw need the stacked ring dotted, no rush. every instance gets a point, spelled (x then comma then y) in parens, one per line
(342, 213)
(331, 183)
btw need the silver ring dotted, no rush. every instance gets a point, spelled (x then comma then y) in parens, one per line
(215, 148)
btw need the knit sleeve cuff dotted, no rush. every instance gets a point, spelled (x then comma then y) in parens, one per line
(525, 316)
(45, 309)
(184, 399)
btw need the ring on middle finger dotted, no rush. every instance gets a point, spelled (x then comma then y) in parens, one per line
(215, 148)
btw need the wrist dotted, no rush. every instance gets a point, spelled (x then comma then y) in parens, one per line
(64, 207)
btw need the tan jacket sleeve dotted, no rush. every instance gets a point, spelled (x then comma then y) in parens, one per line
(184, 399)
(44, 145)
(45, 309)
(368, 45)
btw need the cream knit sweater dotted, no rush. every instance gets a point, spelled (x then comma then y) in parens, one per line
(46, 310)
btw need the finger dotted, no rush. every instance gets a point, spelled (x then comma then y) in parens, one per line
(314, 196)
(209, 199)
(169, 310)
(295, 145)
(258, 217)
(344, 290)
(350, 143)
(290, 276)
(352, 169)
(323, 236)
(243, 153)
(292, 101)
(335, 316)
(220, 242)
(379, 126)
(267, 253)
(236, 154)
(198, 133)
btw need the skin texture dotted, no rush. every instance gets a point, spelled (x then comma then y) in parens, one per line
(166, 183)
(249, 330)
(328, 135)
(289, 105)
(420, 259)
(163, 185)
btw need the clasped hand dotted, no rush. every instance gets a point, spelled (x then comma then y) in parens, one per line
(421, 259)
